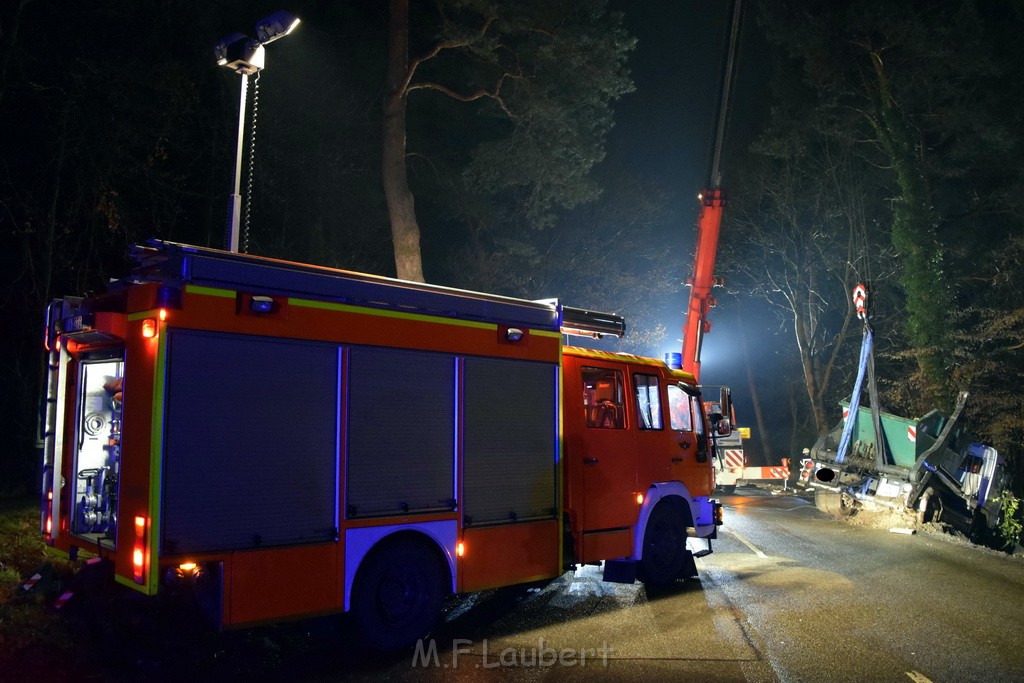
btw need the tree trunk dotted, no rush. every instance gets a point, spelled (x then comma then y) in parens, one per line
(803, 342)
(405, 231)
(755, 398)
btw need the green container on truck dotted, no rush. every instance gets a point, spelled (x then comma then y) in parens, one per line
(929, 466)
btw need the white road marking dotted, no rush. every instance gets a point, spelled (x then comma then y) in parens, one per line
(747, 543)
(918, 677)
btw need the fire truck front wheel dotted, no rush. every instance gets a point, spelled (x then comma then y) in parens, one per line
(398, 593)
(664, 551)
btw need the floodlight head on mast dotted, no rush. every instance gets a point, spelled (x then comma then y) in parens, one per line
(242, 55)
(277, 25)
(245, 55)
(220, 50)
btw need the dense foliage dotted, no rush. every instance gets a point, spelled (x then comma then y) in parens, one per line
(893, 156)
(528, 86)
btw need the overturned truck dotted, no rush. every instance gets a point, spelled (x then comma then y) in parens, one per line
(929, 467)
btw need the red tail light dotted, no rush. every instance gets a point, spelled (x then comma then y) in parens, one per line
(49, 514)
(140, 551)
(46, 517)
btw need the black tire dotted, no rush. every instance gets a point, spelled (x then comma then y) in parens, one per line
(664, 552)
(979, 531)
(398, 594)
(831, 502)
(932, 511)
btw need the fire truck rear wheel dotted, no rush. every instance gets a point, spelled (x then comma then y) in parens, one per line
(398, 594)
(664, 553)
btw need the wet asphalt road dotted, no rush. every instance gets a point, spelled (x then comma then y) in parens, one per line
(789, 594)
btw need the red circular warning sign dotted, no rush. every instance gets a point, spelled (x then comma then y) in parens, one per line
(860, 300)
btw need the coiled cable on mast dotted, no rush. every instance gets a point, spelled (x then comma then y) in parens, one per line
(252, 158)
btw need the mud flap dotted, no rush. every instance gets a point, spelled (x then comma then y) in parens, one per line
(625, 571)
(689, 570)
(619, 571)
(198, 593)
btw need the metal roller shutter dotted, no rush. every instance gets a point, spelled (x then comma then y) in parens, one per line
(510, 441)
(401, 432)
(250, 447)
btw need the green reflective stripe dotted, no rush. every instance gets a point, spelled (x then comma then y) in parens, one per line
(131, 584)
(346, 308)
(328, 306)
(151, 313)
(50, 550)
(155, 458)
(210, 291)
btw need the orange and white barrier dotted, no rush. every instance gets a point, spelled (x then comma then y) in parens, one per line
(733, 457)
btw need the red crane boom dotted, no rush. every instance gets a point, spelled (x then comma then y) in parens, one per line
(709, 225)
(709, 222)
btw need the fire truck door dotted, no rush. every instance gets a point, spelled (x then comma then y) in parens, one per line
(655, 442)
(607, 450)
(691, 461)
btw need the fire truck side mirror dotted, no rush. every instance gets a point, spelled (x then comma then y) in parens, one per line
(719, 422)
(725, 399)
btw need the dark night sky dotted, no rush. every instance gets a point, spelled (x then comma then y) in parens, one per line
(665, 129)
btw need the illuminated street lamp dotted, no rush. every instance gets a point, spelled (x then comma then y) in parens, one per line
(246, 56)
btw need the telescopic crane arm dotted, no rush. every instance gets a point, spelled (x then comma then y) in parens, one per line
(709, 222)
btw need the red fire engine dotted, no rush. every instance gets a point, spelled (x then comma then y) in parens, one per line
(283, 440)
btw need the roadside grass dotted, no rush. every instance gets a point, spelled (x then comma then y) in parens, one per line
(27, 623)
(116, 634)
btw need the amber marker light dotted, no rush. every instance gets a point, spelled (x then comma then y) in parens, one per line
(149, 328)
(460, 549)
(639, 499)
(163, 314)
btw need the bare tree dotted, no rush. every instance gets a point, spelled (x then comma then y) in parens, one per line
(803, 237)
(544, 72)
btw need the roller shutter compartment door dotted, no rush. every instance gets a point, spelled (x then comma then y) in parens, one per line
(400, 432)
(250, 442)
(510, 441)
